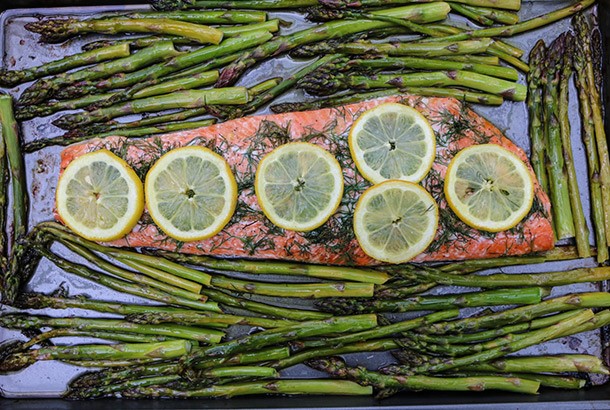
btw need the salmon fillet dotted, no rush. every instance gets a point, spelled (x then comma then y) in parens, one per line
(243, 142)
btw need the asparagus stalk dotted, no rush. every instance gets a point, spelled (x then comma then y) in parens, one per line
(10, 78)
(416, 303)
(492, 13)
(529, 339)
(556, 168)
(502, 280)
(280, 268)
(200, 60)
(4, 181)
(263, 308)
(471, 14)
(378, 332)
(335, 101)
(284, 386)
(324, 83)
(45, 88)
(59, 30)
(521, 314)
(413, 49)
(534, 105)
(112, 335)
(114, 376)
(462, 338)
(420, 13)
(124, 286)
(333, 325)
(509, 5)
(206, 319)
(543, 364)
(68, 139)
(294, 290)
(336, 367)
(545, 380)
(15, 274)
(170, 5)
(164, 282)
(409, 63)
(583, 52)
(203, 17)
(18, 321)
(588, 137)
(163, 350)
(360, 347)
(581, 230)
(179, 99)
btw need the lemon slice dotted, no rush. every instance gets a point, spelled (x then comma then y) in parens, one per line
(191, 193)
(392, 141)
(99, 196)
(395, 221)
(489, 187)
(299, 186)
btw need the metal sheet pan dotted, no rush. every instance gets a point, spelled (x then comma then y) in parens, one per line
(20, 49)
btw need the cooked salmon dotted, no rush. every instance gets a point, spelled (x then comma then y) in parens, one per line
(243, 142)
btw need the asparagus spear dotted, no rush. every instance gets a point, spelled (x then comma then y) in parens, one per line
(209, 377)
(283, 386)
(203, 17)
(534, 105)
(206, 319)
(419, 13)
(114, 376)
(530, 339)
(112, 335)
(492, 13)
(581, 230)
(410, 63)
(500, 280)
(15, 274)
(543, 364)
(337, 368)
(124, 286)
(583, 52)
(335, 101)
(45, 88)
(471, 14)
(169, 5)
(414, 49)
(378, 332)
(294, 290)
(68, 139)
(520, 314)
(545, 380)
(509, 5)
(439, 302)
(333, 325)
(588, 137)
(10, 78)
(324, 83)
(200, 60)
(58, 30)
(200, 334)
(4, 181)
(179, 99)
(163, 350)
(558, 187)
(280, 268)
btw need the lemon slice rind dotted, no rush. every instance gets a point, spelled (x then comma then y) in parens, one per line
(395, 221)
(277, 181)
(471, 180)
(392, 141)
(100, 201)
(171, 198)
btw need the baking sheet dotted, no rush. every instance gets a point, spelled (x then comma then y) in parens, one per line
(20, 49)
